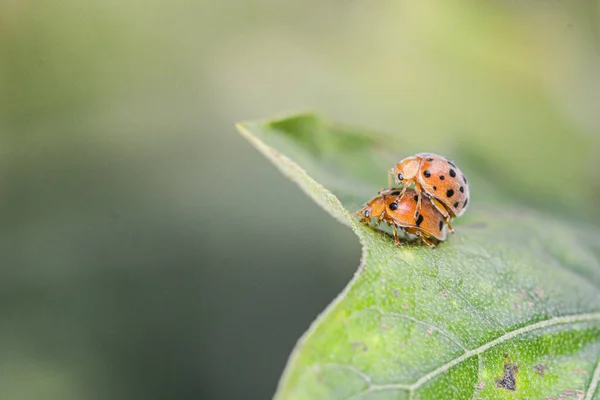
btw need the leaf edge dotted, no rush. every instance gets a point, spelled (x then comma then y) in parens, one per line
(283, 163)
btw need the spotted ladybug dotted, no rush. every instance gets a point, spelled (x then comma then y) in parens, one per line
(439, 178)
(399, 212)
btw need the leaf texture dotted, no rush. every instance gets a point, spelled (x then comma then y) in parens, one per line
(507, 308)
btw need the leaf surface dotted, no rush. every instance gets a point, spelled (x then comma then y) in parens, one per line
(506, 308)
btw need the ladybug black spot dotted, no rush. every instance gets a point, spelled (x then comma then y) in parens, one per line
(415, 198)
(451, 163)
(396, 193)
(441, 225)
(462, 189)
(400, 177)
(435, 188)
(456, 205)
(419, 220)
(442, 177)
(449, 193)
(452, 173)
(426, 173)
(430, 159)
(466, 201)
(465, 179)
(393, 206)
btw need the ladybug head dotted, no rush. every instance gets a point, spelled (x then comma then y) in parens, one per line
(373, 209)
(365, 213)
(405, 170)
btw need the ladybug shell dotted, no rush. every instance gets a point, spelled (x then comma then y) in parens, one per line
(429, 221)
(442, 179)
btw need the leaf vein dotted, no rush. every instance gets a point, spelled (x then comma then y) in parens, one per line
(589, 394)
(461, 297)
(564, 320)
(443, 332)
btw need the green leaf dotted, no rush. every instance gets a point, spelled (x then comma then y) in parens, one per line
(507, 308)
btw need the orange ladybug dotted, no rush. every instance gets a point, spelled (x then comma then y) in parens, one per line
(443, 182)
(399, 212)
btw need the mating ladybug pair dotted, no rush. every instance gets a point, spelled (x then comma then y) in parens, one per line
(440, 193)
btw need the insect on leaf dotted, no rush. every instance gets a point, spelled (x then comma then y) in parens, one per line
(506, 308)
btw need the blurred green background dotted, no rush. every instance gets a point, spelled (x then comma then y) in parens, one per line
(149, 252)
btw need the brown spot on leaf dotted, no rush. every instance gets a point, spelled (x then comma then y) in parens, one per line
(539, 369)
(359, 346)
(444, 293)
(480, 386)
(396, 292)
(405, 306)
(430, 331)
(509, 380)
(523, 293)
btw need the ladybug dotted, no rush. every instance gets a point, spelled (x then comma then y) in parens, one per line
(439, 178)
(399, 212)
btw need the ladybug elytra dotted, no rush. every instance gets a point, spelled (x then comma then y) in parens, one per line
(399, 212)
(439, 178)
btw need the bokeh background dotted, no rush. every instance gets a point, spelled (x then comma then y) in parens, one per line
(148, 251)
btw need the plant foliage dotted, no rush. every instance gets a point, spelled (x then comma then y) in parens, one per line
(507, 308)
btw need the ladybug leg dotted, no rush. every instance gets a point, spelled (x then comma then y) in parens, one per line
(440, 207)
(396, 239)
(427, 241)
(412, 231)
(424, 237)
(401, 195)
(450, 228)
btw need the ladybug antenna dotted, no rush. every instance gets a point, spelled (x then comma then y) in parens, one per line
(360, 211)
